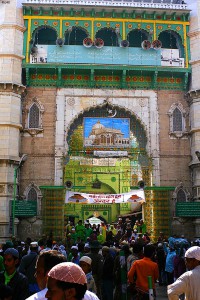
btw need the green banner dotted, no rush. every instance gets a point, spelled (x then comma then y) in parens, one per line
(25, 208)
(188, 209)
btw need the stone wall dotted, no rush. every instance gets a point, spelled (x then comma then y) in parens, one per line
(45, 149)
(174, 152)
(11, 43)
(39, 167)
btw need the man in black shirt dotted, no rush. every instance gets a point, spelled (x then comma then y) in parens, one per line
(11, 277)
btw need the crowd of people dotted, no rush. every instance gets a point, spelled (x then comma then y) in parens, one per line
(106, 262)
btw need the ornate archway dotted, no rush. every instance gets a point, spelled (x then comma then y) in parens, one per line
(117, 166)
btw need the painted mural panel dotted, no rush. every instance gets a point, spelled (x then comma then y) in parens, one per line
(106, 132)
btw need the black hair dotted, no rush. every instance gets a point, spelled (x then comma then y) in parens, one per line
(81, 247)
(80, 288)
(137, 248)
(51, 258)
(149, 251)
(49, 243)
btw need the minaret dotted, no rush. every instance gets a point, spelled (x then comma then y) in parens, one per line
(193, 97)
(11, 43)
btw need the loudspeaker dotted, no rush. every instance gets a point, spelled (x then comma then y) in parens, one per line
(141, 184)
(34, 51)
(146, 45)
(87, 42)
(124, 44)
(157, 44)
(69, 184)
(98, 43)
(60, 42)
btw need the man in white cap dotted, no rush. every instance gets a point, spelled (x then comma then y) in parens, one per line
(67, 281)
(189, 282)
(85, 264)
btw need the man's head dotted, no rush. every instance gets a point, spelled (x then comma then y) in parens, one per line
(66, 281)
(74, 250)
(192, 257)
(11, 260)
(137, 248)
(105, 251)
(87, 247)
(34, 246)
(85, 263)
(46, 261)
(149, 251)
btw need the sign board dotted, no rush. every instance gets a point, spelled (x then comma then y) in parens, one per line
(25, 208)
(135, 196)
(188, 209)
(70, 54)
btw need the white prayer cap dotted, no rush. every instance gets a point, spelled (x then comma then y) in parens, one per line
(68, 272)
(193, 252)
(74, 247)
(86, 259)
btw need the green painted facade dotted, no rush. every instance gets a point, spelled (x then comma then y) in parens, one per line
(154, 24)
(79, 165)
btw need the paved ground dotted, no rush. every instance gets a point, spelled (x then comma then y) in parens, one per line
(161, 292)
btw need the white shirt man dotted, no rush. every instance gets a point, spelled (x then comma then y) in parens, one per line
(189, 282)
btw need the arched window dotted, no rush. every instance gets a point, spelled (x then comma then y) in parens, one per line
(177, 116)
(177, 120)
(136, 37)
(32, 195)
(75, 36)
(181, 196)
(109, 36)
(34, 116)
(171, 40)
(44, 36)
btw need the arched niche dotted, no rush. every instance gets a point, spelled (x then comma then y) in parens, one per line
(171, 40)
(137, 131)
(75, 35)
(109, 36)
(44, 35)
(136, 37)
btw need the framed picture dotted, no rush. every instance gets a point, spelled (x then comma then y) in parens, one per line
(106, 132)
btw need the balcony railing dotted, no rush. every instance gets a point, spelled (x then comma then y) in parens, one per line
(161, 4)
(107, 55)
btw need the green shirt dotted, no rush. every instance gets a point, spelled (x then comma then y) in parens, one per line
(1, 264)
(8, 277)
